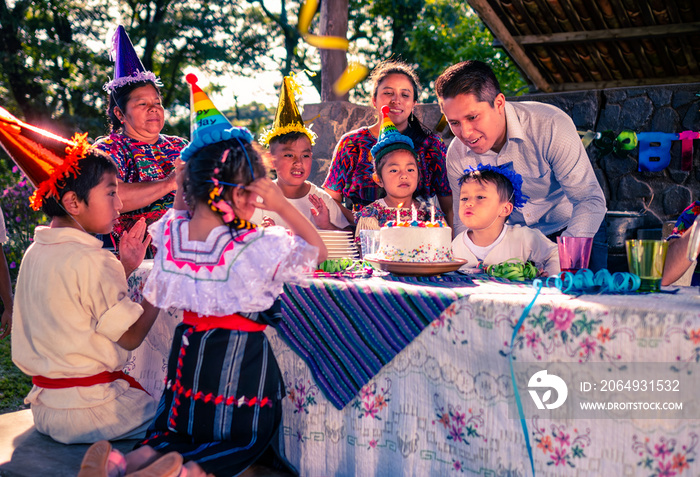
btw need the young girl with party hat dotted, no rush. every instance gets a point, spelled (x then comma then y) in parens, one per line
(221, 408)
(396, 171)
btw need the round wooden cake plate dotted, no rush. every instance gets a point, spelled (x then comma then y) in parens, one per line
(418, 269)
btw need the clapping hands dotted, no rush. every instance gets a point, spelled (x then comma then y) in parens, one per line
(267, 221)
(322, 216)
(132, 246)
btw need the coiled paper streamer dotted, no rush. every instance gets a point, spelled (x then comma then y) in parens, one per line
(584, 281)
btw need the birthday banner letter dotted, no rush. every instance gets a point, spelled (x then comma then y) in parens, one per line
(655, 150)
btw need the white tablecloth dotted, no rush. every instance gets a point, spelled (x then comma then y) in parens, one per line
(440, 406)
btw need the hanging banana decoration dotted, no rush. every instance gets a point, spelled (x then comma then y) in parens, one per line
(354, 72)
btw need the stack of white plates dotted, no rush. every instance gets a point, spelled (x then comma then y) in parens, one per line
(340, 244)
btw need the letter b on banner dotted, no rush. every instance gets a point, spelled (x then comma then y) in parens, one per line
(655, 150)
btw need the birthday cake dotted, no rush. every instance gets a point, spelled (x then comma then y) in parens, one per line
(416, 241)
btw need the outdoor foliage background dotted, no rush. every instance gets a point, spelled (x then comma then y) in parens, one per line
(54, 61)
(20, 221)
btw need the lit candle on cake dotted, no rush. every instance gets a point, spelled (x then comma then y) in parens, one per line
(432, 213)
(398, 213)
(414, 213)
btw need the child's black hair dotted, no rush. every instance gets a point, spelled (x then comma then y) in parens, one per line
(236, 169)
(503, 185)
(287, 138)
(93, 167)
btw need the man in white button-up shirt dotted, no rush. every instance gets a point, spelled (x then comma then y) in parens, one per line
(541, 143)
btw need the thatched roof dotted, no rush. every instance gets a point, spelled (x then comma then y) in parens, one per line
(565, 45)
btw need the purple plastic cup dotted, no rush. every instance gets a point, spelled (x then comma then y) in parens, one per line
(574, 253)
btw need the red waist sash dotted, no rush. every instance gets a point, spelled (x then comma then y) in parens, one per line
(101, 378)
(229, 322)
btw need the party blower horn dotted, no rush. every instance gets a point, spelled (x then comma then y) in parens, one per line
(45, 158)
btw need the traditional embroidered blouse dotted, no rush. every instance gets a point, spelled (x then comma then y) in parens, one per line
(686, 219)
(142, 162)
(225, 274)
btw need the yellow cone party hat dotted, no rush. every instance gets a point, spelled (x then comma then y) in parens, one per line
(287, 119)
(208, 125)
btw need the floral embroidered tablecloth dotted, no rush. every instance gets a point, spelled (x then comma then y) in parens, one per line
(441, 405)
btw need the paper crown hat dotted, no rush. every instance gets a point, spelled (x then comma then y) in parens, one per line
(127, 65)
(287, 118)
(43, 157)
(390, 139)
(208, 125)
(506, 170)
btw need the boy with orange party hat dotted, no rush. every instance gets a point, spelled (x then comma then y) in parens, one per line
(73, 337)
(290, 144)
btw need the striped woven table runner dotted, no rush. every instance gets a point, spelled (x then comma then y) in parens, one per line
(347, 329)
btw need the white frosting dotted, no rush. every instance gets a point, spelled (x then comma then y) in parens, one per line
(415, 244)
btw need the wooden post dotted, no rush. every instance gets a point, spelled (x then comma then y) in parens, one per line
(334, 22)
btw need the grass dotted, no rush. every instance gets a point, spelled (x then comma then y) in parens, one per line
(14, 384)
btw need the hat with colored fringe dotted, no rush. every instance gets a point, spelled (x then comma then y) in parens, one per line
(390, 139)
(127, 65)
(45, 158)
(287, 118)
(506, 170)
(208, 125)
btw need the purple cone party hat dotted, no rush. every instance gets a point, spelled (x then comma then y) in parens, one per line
(287, 118)
(45, 158)
(208, 125)
(127, 65)
(390, 139)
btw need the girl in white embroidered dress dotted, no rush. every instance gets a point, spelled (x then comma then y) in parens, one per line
(221, 408)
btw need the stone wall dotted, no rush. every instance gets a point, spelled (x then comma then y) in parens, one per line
(637, 200)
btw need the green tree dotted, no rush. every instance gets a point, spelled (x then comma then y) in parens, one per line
(454, 30)
(218, 37)
(46, 70)
(254, 116)
(381, 27)
(54, 58)
(430, 34)
(283, 32)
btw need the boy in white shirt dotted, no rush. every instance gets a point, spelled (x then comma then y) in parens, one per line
(291, 158)
(290, 144)
(488, 195)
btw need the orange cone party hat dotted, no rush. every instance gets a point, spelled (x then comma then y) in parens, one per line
(287, 119)
(208, 125)
(43, 157)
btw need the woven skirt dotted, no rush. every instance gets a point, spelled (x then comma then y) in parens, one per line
(222, 402)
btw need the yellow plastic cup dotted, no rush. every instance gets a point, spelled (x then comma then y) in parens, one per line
(646, 259)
